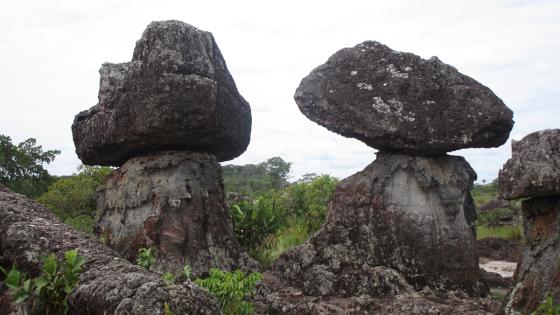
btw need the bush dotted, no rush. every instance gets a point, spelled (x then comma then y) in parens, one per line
(72, 196)
(82, 223)
(231, 289)
(146, 257)
(495, 217)
(254, 220)
(547, 307)
(48, 292)
(286, 238)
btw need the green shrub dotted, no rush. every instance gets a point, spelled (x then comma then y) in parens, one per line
(72, 196)
(186, 273)
(82, 223)
(482, 193)
(168, 277)
(146, 257)
(547, 307)
(48, 292)
(507, 232)
(231, 289)
(494, 217)
(288, 237)
(253, 221)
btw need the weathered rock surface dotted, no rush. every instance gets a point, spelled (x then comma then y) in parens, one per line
(539, 272)
(109, 283)
(174, 202)
(175, 94)
(412, 215)
(399, 102)
(275, 298)
(499, 249)
(534, 168)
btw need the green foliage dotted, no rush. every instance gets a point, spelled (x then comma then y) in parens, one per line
(186, 273)
(231, 289)
(547, 307)
(254, 220)
(21, 166)
(82, 223)
(495, 217)
(507, 232)
(482, 193)
(286, 238)
(167, 309)
(168, 277)
(253, 179)
(146, 257)
(73, 196)
(49, 291)
(309, 198)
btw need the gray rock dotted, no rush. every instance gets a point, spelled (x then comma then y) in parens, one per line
(534, 167)
(173, 202)
(109, 284)
(538, 274)
(399, 102)
(175, 94)
(410, 214)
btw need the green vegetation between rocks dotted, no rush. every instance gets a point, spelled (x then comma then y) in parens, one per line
(48, 293)
(231, 289)
(548, 307)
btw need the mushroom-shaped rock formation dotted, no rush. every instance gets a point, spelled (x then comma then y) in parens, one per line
(175, 94)
(533, 172)
(399, 102)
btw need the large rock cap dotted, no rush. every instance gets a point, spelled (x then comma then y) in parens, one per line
(400, 102)
(534, 167)
(176, 93)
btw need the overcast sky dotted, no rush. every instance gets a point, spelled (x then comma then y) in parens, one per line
(51, 51)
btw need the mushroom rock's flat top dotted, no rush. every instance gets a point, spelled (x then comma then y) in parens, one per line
(175, 94)
(534, 167)
(400, 102)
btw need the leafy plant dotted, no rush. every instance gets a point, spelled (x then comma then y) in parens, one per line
(168, 278)
(167, 309)
(82, 223)
(231, 289)
(186, 273)
(51, 289)
(547, 307)
(146, 257)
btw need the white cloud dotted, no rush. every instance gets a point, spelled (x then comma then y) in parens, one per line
(50, 53)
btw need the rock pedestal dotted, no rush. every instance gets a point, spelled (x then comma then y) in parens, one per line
(172, 201)
(403, 217)
(533, 172)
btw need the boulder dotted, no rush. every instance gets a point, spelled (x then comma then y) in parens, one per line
(538, 275)
(109, 284)
(399, 102)
(410, 214)
(534, 167)
(175, 94)
(174, 202)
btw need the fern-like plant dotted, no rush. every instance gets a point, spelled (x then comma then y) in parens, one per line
(146, 257)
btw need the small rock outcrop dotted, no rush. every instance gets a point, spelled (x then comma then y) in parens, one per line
(533, 172)
(173, 201)
(109, 284)
(395, 101)
(534, 168)
(411, 214)
(175, 94)
(167, 118)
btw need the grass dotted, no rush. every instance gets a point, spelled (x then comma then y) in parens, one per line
(506, 232)
(293, 235)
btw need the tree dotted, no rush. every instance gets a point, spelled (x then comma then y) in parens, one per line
(278, 170)
(21, 166)
(73, 196)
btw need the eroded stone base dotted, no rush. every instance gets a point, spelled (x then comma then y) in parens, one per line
(172, 201)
